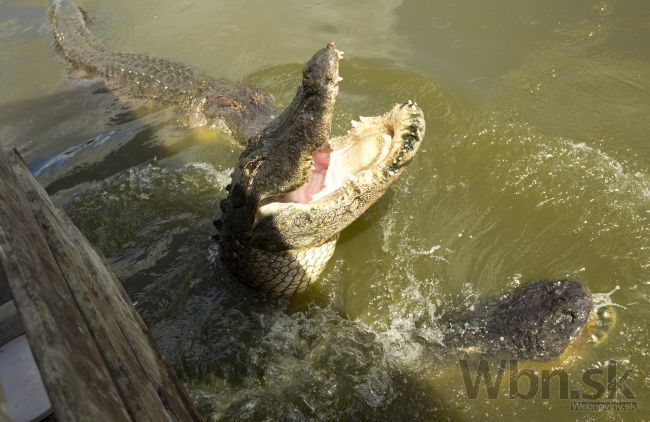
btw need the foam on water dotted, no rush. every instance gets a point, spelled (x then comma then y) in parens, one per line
(601, 300)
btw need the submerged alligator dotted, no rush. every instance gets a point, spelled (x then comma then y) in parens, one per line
(294, 189)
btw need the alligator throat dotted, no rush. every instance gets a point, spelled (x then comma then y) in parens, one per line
(345, 159)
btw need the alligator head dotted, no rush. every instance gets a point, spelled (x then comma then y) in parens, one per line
(294, 189)
(534, 321)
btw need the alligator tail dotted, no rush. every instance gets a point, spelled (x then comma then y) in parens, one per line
(141, 75)
(71, 35)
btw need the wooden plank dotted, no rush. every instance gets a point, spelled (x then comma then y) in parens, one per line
(10, 325)
(5, 292)
(136, 392)
(147, 385)
(71, 366)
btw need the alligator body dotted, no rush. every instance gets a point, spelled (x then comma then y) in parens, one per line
(203, 100)
(294, 189)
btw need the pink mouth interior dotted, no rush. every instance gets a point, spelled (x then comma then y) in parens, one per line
(316, 182)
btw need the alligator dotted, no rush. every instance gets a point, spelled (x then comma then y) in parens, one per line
(294, 189)
(204, 100)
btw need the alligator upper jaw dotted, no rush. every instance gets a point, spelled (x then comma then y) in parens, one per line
(307, 122)
(280, 158)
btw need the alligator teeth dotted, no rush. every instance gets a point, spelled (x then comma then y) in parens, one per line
(364, 119)
(338, 79)
(354, 123)
(340, 54)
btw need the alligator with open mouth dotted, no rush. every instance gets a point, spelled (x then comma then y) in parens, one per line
(294, 189)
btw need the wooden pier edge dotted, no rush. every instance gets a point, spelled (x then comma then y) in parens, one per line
(96, 356)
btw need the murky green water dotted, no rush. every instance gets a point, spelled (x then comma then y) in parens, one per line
(535, 165)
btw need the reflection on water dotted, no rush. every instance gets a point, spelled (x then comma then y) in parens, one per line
(534, 166)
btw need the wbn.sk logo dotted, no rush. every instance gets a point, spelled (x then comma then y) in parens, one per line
(605, 386)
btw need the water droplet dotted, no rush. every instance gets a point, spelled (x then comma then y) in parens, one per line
(440, 22)
(603, 8)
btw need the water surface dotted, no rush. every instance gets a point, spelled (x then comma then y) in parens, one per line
(535, 165)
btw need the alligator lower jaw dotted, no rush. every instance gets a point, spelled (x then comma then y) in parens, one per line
(370, 147)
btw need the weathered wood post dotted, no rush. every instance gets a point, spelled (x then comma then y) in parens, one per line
(97, 358)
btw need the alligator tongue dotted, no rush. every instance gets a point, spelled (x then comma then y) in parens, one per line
(285, 147)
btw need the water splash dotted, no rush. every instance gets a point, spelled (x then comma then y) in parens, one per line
(603, 317)
(602, 300)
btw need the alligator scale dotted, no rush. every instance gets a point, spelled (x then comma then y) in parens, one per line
(294, 189)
